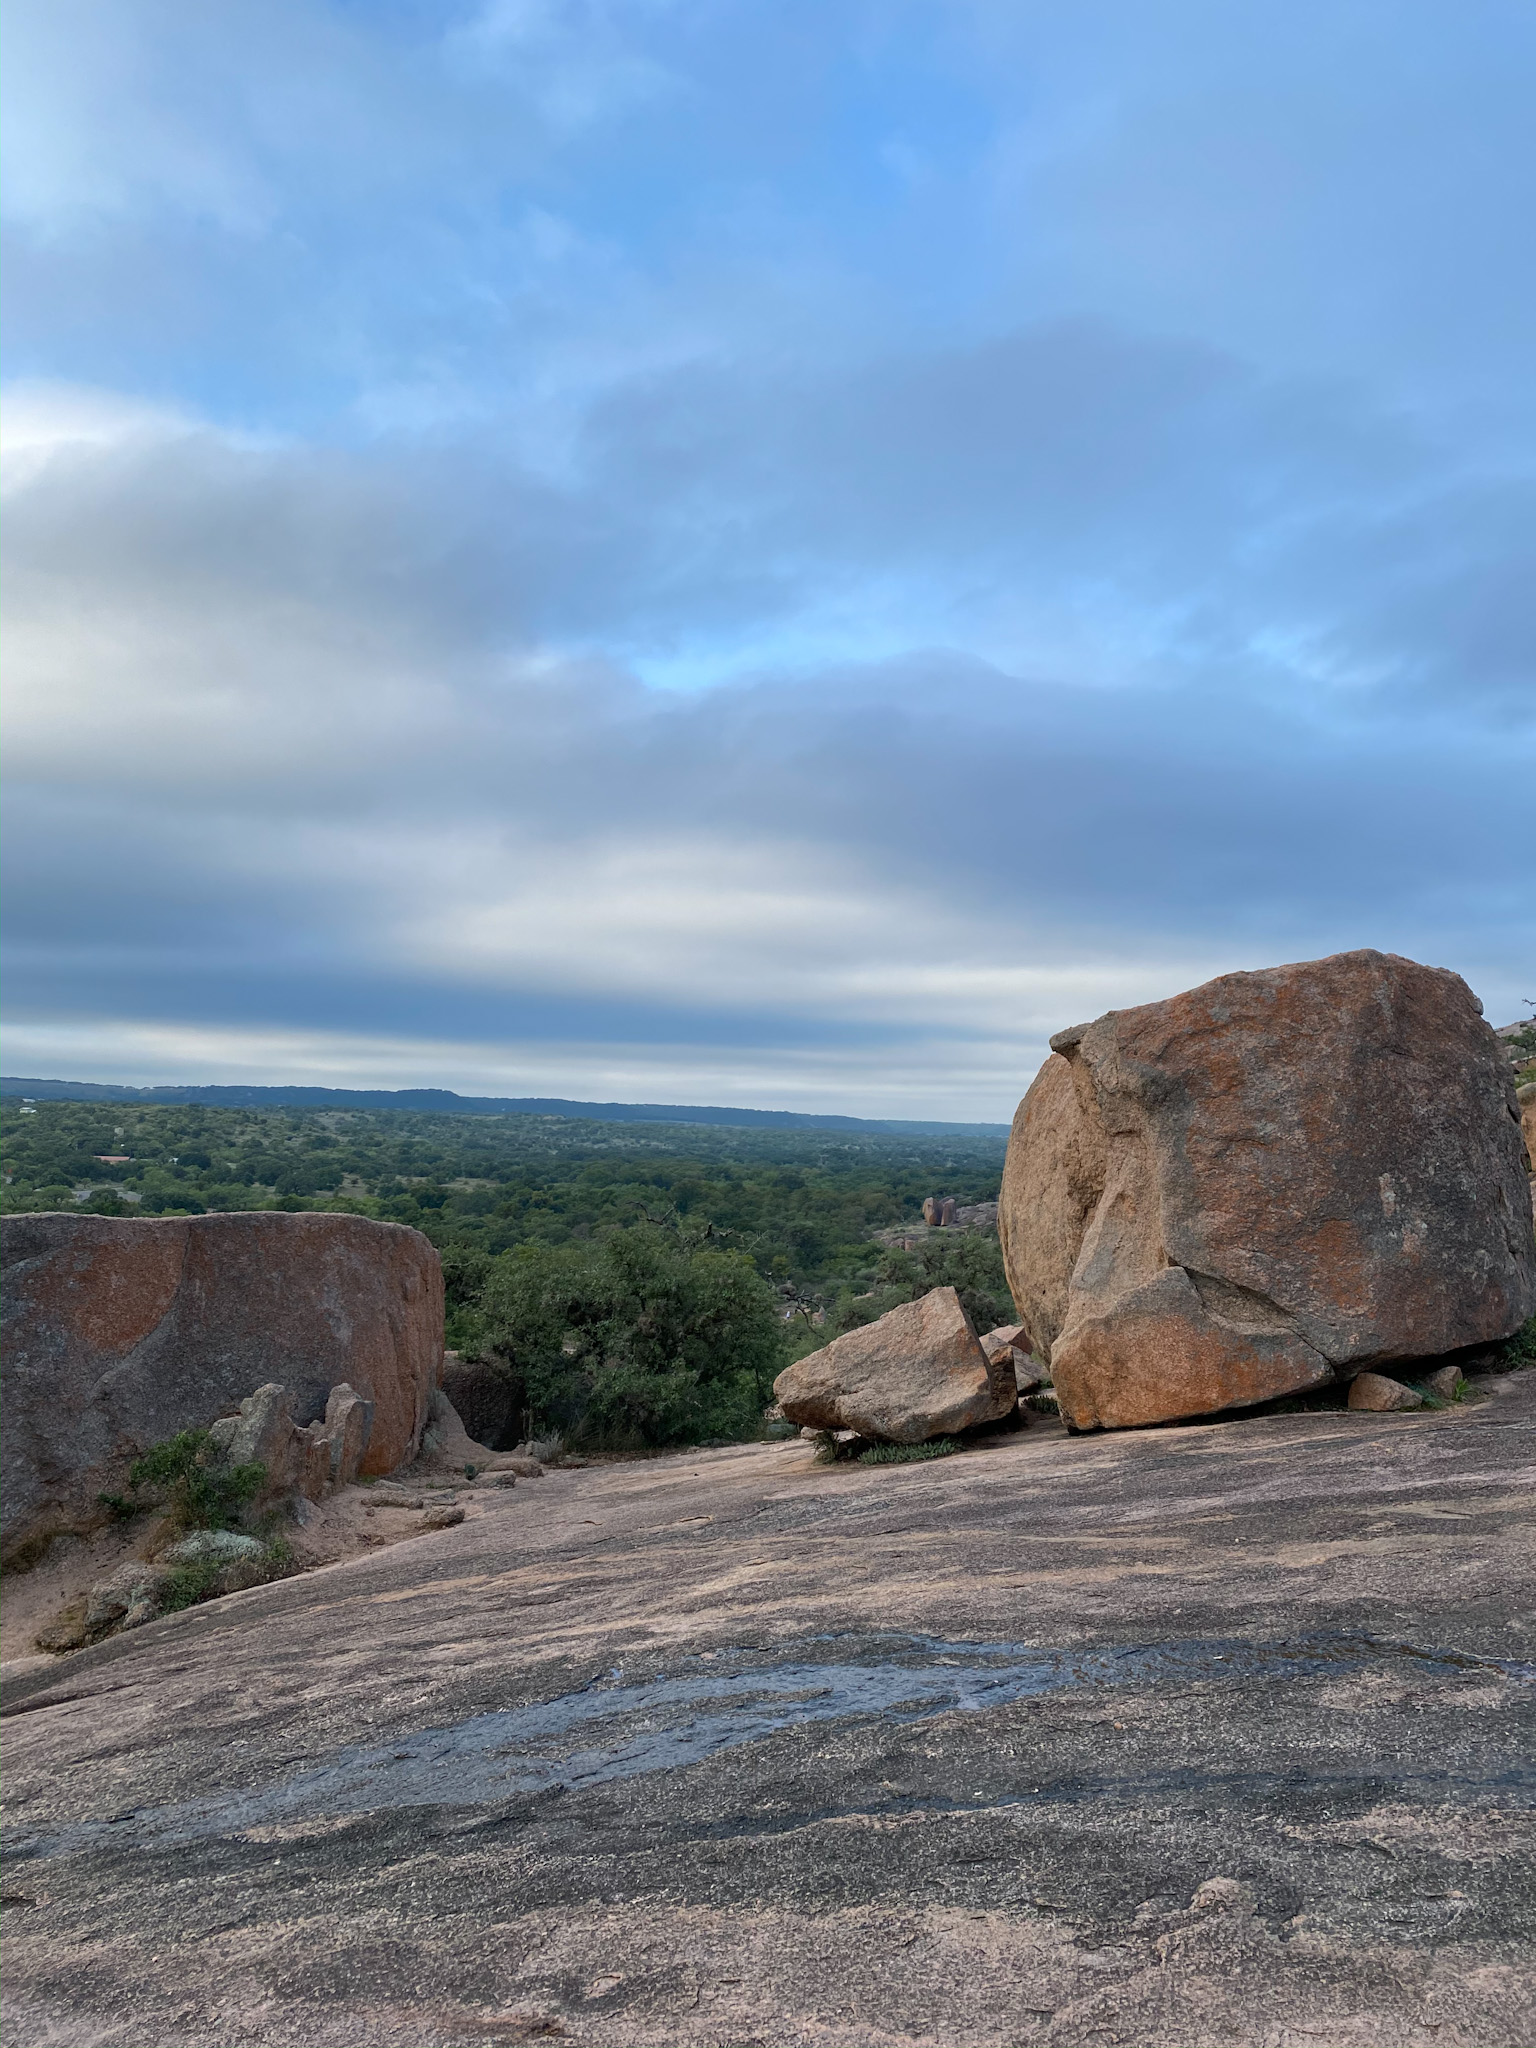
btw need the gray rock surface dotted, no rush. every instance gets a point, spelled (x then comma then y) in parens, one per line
(1236, 1193)
(128, 1599)
(349, 1427)
(264, 1434)
(1209, 1736)
(120, 1332)
(918, 1372)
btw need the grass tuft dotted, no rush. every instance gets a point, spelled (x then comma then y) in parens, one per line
(909, 1454)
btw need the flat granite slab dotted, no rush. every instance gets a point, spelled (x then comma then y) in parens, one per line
(1206, 1734)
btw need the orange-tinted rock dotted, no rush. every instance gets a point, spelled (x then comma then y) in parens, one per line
(1233, 1194)
(1380, 1395)
(918, 1372)
(1052, 1181)
(121, 1331)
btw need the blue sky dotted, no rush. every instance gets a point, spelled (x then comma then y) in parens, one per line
(753, 553)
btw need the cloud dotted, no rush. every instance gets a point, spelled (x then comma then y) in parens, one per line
(263, 763)
(799, 550)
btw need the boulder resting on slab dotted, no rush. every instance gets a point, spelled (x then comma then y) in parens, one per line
(1273, 1180)
(918, 1372)
(121, 1331)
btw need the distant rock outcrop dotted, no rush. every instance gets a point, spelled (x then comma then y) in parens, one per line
(1273, 1180)
(918, 1372)
(120, 1332)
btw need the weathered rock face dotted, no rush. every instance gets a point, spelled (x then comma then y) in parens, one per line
(1052, 1180)
(120, 1332)
(1269, 1181)
(918, 1372)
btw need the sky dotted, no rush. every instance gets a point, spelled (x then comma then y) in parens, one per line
(765, 552)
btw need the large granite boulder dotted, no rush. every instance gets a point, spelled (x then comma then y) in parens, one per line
(119, 1332)
(1270, 1181)
(918, 1372)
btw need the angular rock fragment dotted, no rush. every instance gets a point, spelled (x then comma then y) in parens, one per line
(918, 1372)
(1231, 1195)
(1375, 1391)
(264, 1435)
(1444, 1383)
(348, 1425)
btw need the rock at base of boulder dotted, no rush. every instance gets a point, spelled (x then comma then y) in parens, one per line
(918, 1372)
(442, 1518)
(1381, 1396)
(349, 1425)
(1444, 1383)
(224, 1546)
(264, 1435)
(1008, 1345)
(1159, 1354)
(130, 1597)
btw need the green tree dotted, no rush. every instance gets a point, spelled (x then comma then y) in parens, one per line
(636, 1338)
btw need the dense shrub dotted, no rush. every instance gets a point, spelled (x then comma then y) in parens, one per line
(636, 1338)
(187, 1478)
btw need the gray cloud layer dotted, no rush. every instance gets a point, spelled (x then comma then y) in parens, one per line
(819, 709)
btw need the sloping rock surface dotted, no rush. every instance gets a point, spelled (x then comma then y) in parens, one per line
(1271, 1179)
(119, 1332)
(918, 1372)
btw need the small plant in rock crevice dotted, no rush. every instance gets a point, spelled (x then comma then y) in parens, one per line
(830, 1450)
(909, 1454)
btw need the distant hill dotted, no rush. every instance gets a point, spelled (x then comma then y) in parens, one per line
(445, 1102)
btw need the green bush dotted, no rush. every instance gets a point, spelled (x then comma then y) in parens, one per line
(189, 1480)
(635, 1339)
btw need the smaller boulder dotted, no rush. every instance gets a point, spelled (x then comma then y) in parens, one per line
(1443, 1384)
(225, 1545)
(264, 1435)
(313, 1458)
(128, 1598)
(348, 1425)
(1375, 1392)
(918, 1372)
(442, 1518)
